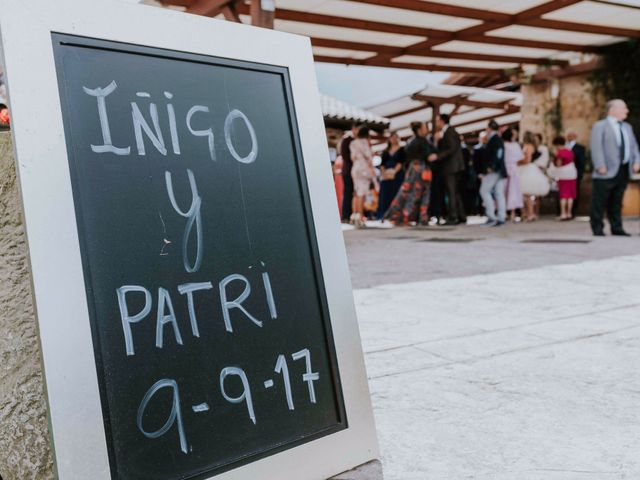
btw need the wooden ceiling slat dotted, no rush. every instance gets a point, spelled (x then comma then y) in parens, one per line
(397, 51)
(582, 28)
(409, 66)
(440, 9)
(502, 105)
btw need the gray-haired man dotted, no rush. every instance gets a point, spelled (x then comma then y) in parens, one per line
(615, 154)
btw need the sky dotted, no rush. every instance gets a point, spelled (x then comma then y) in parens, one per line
(367, 86)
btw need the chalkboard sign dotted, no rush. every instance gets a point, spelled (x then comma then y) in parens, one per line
(208, 311)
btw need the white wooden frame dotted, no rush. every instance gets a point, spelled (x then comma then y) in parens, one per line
(75, 413)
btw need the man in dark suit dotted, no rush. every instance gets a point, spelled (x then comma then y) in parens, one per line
(451, 162)
(615, 155)
(580, 160)
(345, 152)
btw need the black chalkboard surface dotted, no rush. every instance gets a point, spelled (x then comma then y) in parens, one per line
(207, 306)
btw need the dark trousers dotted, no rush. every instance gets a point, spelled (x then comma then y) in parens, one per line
(347, 196)
(607, 195)
(436, 196)
(576, 200)
(456, 206)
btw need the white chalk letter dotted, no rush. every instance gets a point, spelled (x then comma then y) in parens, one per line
(283, 368)
(128, 319)
(237, 303)
(228, 124)
(173, 129)
(269, 292)
(188, 289)
(193, 216)
(174, 417)
(140, 124)
(107, 146)
(246, 393)
(164, 300)
(310, 376)
(202, 133)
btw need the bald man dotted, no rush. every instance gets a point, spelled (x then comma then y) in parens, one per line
(615, 155)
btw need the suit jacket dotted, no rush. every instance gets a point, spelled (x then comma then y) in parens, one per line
(579, 158)
(605, 151)
(450, 152)
(494, 156)
(345, 151)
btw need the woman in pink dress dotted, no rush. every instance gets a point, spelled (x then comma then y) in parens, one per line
(567, 176)
(363, 173)
(512, 157)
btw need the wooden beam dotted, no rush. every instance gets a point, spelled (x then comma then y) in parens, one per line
(503, 105)
(547, 7)
(319, 19)
(440, 9)
(408, 111)
(483, 119)
(209, 8)
(582, 27)
(569, 71)
(495, 20)
(397, 51)
(345, 22)
(263, 13)
(519, 42)
(409, 66)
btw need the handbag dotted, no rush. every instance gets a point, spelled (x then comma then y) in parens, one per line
(565, 172)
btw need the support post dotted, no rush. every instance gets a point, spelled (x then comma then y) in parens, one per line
(263, 13)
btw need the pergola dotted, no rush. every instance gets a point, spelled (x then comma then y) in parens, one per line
(470, 108)
(481, 37)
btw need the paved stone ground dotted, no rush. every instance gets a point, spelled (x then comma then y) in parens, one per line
(524, 374)
(397, 255)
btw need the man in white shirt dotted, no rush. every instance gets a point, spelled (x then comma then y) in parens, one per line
(615, 155)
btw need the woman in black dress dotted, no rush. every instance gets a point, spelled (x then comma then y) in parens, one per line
(392, 173)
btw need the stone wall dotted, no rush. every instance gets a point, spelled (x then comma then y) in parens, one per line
(579, 107)
(25, 453)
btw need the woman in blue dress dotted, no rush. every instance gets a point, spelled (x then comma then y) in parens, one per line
(392, 173)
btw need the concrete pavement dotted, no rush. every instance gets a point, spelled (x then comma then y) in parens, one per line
(527, 374)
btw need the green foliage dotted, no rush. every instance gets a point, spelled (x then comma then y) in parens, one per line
(620, 77)
(553, 117)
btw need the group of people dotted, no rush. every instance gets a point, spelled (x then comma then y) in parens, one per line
(414, 179)
(436, 179)
(515, 176)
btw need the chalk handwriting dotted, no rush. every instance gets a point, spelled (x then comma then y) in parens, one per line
(140, 125)
(193, 216)
(173, 128)
(202, 133)
(283, 368)
(164, 303)
(228, 305)
(174, 417)
(126, 318)
(188, 289)
(309, 376)
(228, 125)
(246, 393)
(107, 146)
